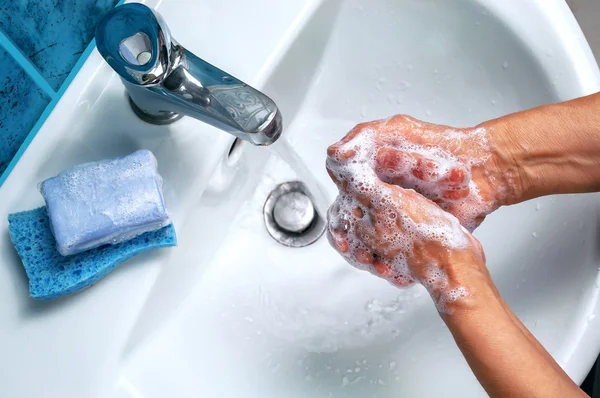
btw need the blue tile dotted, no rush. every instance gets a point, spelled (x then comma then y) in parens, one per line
(52, 33)
(21, 104)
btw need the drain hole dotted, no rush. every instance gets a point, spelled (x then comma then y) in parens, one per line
(235, 152)
(136, 50)
(290, 215)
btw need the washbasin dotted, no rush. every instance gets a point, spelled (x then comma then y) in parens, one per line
(231, 312)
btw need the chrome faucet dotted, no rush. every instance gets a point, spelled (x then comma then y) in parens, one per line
(165, 81)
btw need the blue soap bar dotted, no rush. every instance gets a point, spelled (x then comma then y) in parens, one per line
(105, 202)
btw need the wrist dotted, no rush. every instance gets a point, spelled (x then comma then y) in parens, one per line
(482, 295)
(504, 168)
(462, 284)
(552, 149)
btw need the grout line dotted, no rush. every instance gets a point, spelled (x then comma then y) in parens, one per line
(78, 65)
(30, 69)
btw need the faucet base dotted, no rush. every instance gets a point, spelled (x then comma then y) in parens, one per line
(165, 117)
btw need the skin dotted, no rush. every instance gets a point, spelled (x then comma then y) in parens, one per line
(553, 149)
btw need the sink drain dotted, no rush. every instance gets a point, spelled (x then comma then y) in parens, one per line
(291, 217)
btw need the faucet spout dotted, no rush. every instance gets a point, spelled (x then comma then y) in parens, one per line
(165, 81)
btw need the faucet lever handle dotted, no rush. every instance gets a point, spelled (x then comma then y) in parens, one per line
(136, 43)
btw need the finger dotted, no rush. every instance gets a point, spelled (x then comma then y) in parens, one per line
(457, 176)
(338, 222)
(341, 184)
(426, 169)
(386, 271)
(456, 195)
(416, 206)
(391, 165)
(333, 149)
(339, 225)
(339, 153)
(363, 198)
(363, 256)
(347, 154)
(356, 130)
(366, 233)
(333, 177)
(391, 159)
(377, 239)
(383, 269)
(338, 241)
(365, 193)
(402, 281)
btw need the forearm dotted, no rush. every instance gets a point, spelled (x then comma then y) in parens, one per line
(506, 359)
(553, 149)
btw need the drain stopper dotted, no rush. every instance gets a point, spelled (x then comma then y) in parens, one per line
(293, 212)
(291, 217)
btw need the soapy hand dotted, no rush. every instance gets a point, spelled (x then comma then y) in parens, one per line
(404, 238)
(456, 168)
(394, 232)
(377, 223)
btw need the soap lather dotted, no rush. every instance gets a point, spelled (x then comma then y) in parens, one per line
(105, 202)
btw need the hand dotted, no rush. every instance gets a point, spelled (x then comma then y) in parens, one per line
(404, 238)
(401, 236)
(459, 169)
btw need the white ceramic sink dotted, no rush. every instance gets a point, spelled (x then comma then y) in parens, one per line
(232, 313)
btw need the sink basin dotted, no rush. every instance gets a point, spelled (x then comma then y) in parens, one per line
(231, 312)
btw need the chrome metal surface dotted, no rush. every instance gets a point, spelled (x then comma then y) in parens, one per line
(164, 80)
(293, 212)
(290, 216)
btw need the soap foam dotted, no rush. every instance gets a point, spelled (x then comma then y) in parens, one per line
(436, 283)
(367, 208)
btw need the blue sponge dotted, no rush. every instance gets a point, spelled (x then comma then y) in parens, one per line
(52, 275)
